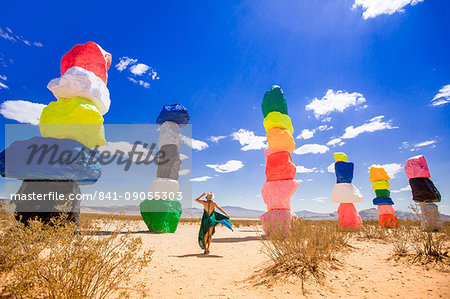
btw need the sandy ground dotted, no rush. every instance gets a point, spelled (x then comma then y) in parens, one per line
(179, 269)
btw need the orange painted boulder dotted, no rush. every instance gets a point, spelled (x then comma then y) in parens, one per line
(89, 56)
(279, 166)
(378, 174)
(280, 140)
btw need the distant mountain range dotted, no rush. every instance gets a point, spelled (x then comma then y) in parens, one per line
(243, 213)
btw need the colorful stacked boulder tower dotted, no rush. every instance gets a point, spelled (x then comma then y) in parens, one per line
(280, 169)
(71, 125)
(383, 201)
(345, 193)
(162, 213)
(424, 192)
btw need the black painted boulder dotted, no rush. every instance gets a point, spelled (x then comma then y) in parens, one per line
(170, 165)
(47, 199)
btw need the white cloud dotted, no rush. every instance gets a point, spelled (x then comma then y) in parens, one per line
(391, 169)
(216, 139)
(9, 35)
(194, 144)
(139, 69)
(334, 141)
(324, 128)
(335, 101)
(22, 111)
(183, 157)
(184, 171)
(249, 140)
(201, 179)
(306, 134)
(319, 199)
(230, 166)
(425, 143)
(330, 168)
(373, 8)
(407, 188)
(374, 124)
(406, 146)
(303, 169)
(311, 149)
(140, 82)
(443, 97)
(124, 62)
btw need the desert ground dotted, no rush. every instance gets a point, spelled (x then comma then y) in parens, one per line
(180, 269)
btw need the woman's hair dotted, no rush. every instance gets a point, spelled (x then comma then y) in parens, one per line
(209, 196)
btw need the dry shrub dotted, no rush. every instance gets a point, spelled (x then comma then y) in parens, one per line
(307, 252)
(62, 260)
(371, 230)
(401, 238)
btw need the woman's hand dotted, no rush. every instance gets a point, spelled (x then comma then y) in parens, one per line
(203, 194)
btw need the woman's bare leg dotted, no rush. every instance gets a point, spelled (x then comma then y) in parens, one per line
(210, 231)
(205, 241)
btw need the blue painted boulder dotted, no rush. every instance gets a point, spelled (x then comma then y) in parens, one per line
(344, 172)
(176, 113)
(42, 158)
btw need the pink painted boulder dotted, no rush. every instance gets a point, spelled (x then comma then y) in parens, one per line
(348, 216)
(275, 220)
(89, 56)
(417, 167)
(386, 209)
(277, 194)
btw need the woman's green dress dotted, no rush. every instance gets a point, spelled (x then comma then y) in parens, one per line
(211, 220)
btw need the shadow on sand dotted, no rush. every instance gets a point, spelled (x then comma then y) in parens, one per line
(198, 255)
(235, 240)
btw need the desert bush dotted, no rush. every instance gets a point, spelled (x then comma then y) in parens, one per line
(306, 252)
(61, 260)
(400, 238)
(371, 230)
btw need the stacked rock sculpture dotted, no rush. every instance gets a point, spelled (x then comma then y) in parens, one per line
(424, 192)
(162, 213)
(383, 200)
(280, 169)
(345, 193)
(61, 160)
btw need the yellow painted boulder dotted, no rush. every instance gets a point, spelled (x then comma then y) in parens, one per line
(276, 119)
(378, 174)
(280, 140)
(340, 157)
(381, 185)
(73, 118)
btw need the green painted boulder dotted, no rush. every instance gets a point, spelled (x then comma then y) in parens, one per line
(274, 100)
(383, 193)
(161, 216)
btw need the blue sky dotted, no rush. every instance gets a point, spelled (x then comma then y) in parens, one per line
(359, 76)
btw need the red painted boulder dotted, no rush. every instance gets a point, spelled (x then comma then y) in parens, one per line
(277, 194)
(279, 166)
(348, 216)
(89, 56)
(388, 220)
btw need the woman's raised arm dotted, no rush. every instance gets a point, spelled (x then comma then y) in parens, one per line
(198, 198)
